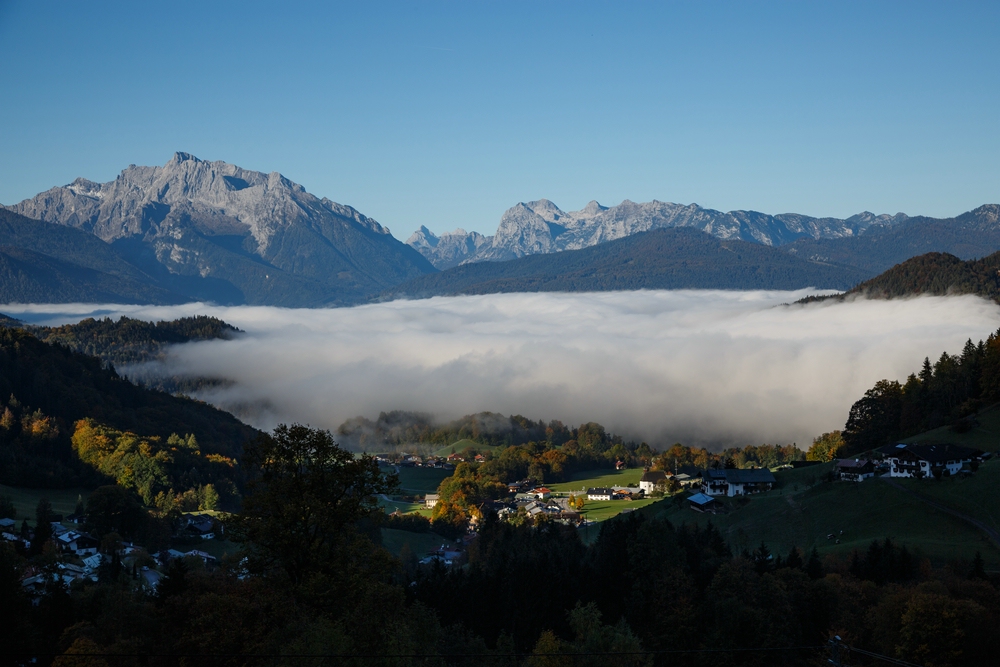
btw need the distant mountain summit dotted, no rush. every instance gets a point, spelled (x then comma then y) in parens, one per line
(449, 249)
(215, 231)
(541, 227)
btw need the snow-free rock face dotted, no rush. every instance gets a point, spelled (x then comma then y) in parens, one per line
(447, 250)
(541, 227)
(214, 230)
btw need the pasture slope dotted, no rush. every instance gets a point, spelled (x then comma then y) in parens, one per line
(26, 500)
(805, 508)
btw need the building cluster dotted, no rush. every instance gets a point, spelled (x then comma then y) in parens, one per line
(913, 460)
(417, 461)
(78, 555)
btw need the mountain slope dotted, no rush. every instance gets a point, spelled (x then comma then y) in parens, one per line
(970, 235)
(938, 274)
(212, 230)
(540, 227)
(661, 259)
(45, 262)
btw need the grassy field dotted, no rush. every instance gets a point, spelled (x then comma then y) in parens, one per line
(976, 496)
(420, 480)
(864, 512)
(391, 506)
(420, 543)
(597, 478)
(985, 436)
(26, 500)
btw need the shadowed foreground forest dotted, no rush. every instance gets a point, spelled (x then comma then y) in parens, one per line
(314, 586)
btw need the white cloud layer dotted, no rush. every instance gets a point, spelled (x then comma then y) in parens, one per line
(700, 367)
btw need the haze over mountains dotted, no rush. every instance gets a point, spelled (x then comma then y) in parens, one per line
(194, 230)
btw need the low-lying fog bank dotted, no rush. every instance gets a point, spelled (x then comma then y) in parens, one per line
(700, 367)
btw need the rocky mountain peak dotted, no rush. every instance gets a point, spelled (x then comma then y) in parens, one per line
(172, 211)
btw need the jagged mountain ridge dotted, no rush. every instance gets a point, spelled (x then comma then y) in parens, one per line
(680, 258)
(215, 231)
(449, 249)
(541, 227)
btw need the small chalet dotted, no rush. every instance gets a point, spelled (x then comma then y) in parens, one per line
(600, 493)
(619, 465)
(908, 460)
(542, 493)
(8, 526)
(431, 499)
(855, 470)
(699, 502)
(480, 458)
(455, 458)
(651, 479)
(734, 482)
(76, 542)
(203, 527)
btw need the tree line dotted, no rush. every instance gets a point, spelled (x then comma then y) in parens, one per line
(947, 392)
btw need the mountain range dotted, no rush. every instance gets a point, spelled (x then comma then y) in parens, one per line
(198, 230)
(541, 227)
(679, 258)
(216, 232)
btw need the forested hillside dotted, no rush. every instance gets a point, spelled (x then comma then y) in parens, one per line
(131, 341)
(47, 389)
(947, 392)
(660, 259)
(938, 274)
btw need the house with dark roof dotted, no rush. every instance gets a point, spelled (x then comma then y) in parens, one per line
(909, 460)
(600, 493)
(735, 482)
(855, 470)
(651, 479)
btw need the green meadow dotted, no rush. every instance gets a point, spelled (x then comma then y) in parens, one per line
(26, 500)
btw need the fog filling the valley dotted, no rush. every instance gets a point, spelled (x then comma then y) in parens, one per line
(699, 367)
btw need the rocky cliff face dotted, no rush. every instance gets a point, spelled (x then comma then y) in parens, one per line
(449, 249)
(542, 227)
(213, 230)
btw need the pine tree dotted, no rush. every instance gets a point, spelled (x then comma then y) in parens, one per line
(814, 568)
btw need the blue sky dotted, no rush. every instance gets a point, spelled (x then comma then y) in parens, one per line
(447, 113)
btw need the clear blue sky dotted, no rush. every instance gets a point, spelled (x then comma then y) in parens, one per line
(447, 113)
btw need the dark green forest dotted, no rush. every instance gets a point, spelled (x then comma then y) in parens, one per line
(948, 392)
(130, 341)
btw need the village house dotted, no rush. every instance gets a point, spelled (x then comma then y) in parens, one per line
(430, 500)
(651, 479)
(908, 460)
(77, 543)
(542, 493)
(700, 502)
(735, 482)
(855, 470)
(8, 526)
(600, 493)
